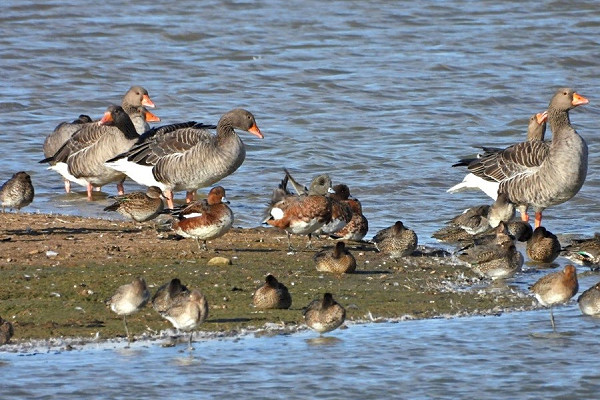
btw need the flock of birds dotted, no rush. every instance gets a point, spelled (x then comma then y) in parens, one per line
(188, 156)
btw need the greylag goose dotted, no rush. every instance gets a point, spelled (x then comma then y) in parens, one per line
(188, 158)
(81, 159)
(338, 261)
(555, 288)
(537, 174)
(324, 315)
(134, 98)
(536, 130)
(187, 312)
(129, 299)
(17, 192)
(272, 294)
(139, 206)
(396, 241)
(205, 219)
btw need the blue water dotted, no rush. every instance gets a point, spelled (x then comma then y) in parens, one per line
(384, 96)
(515, 355)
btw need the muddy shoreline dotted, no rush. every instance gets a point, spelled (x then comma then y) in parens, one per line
(57, 271)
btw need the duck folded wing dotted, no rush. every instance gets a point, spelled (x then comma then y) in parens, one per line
(520, 159)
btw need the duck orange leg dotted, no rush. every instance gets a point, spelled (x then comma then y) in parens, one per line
(538, 219)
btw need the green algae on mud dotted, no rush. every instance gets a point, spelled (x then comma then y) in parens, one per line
(58, 271)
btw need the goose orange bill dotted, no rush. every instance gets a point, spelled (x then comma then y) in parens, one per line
(255, 131)
(147, 102)
(579, 99)
(106, 119)
(149, 117)
(541, 117)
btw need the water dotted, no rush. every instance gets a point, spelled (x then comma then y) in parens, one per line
(384, 96)
(512, 356)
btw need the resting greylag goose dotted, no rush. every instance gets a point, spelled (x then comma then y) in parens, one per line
(81, 159)
(135, 97)
(537, 174)
(188, 158)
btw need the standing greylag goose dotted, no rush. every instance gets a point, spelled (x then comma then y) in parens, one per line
(81, 159)
(134, 98)
(537, 174)
(188, 158)
(17, 192)
(536, 130)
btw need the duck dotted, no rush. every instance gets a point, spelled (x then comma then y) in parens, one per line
(17, 192)
(189, 158)
(187, 312)
(543, 247)
(341, 213)
(358, 226)
(324, 315)
(272, 295)
(81, 159)
(463, 226)
(396, 241)
(165, 295)
(319, 185)
(535, 174)
(584, 251)
(520, 230)
(205, 219)
(589, 301)
(496, 260)
(297, 214)
(556, 288)
(338, 261)
(139, 206)
(135, 97)
(128, 299)
(6, 331)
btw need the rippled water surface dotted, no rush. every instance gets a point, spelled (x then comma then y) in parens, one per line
(384, 96)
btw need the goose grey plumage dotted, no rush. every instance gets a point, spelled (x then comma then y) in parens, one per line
(188, 158)
(81, 159)
(535, 174)
(134, 98)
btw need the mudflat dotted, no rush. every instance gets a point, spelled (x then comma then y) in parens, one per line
(57, 272)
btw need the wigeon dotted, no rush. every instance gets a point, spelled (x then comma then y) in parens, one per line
(324, 315)
(139, 206)
(272, 294)
(205, 219)
(339, 260)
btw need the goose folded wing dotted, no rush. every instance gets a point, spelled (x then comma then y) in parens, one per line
(521, 158)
